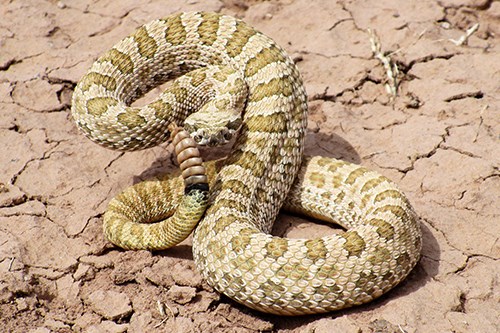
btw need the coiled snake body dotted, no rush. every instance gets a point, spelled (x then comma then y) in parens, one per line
(230, 78)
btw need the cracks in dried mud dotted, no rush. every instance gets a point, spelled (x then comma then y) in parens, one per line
(459, 260)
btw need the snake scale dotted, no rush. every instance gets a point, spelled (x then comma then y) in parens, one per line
(228, 79)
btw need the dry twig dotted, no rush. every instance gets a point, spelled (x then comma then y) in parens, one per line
(391, 68)
(465, 37)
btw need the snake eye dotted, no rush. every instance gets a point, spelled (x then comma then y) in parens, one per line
(197, 138)
(227, 136)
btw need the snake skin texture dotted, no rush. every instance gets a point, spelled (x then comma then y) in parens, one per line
(264, 172)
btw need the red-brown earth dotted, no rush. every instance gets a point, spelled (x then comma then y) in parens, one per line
(438, 139)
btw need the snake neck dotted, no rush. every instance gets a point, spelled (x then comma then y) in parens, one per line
(267, 154)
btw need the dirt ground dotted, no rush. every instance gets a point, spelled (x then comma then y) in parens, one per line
(438, 139)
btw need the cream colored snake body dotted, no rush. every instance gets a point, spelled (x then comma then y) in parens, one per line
(231, 245)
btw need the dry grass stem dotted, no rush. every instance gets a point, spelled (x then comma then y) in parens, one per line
(391, 68)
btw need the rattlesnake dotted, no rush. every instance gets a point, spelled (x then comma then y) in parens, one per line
(232, 246)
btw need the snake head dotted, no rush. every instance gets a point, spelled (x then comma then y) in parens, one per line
(212, 128)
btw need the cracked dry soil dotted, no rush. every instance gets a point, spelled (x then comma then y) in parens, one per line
(438, 139)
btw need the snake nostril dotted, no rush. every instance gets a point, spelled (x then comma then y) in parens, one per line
(212, 142)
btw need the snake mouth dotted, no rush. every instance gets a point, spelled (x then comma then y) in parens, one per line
(213, 136)
(212, 128)
(219, 138)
